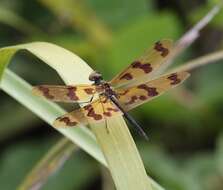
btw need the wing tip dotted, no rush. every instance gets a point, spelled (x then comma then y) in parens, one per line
(167, 41)
(185, 75)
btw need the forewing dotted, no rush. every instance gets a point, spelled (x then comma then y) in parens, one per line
(78, 93)
(95, 112)
(146, 64)
(132, 97)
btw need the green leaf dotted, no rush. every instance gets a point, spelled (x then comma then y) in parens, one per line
(18, 159)
(48, 165)
(77, 15)
(195, 15)
(10, 18)
(220, 153)
(22, 119)
(117, 13)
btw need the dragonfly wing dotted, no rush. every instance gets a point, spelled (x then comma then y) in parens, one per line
(79, 93)
(95, 112)
(144, 65)
(137, 95)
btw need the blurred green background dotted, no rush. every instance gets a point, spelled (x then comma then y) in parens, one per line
(185, 150)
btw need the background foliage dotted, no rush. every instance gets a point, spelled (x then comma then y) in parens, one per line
(185, 150)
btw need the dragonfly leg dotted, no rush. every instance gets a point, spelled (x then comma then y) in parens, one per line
(106, 126)
(106, 122)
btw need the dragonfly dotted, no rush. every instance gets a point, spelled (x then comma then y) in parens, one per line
(115, 98)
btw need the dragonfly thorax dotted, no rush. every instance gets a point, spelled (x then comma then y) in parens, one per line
(102, 86)
(108, 90)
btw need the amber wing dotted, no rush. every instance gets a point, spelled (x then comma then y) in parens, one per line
(80, 93)
(145, 65)
(97, 111)
(132, 97)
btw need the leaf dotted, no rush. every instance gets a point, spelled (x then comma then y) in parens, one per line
(196, 14)
(22, 119)
(17, 22)
(118, 146)
(165, 169)
(219, 153)
(48, 165)
(117, 13)
(200, 61)
(77, 14)
(17, 159)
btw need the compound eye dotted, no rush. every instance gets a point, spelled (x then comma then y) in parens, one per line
(95, 76)
(91, 78)
(99, 77)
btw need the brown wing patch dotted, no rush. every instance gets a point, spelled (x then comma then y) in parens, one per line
(71, 119)
(65, 93)
(100, 109)
(174, 79)
(89, 90)
(144, 65)
(161, 48)
(90, 110)
(127, 76)
(137, 95)
(67, 121)
(45, 91)
(91, 113)
(151, 91)
(72, 95)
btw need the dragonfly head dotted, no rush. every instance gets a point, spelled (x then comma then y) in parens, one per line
(96, 77)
